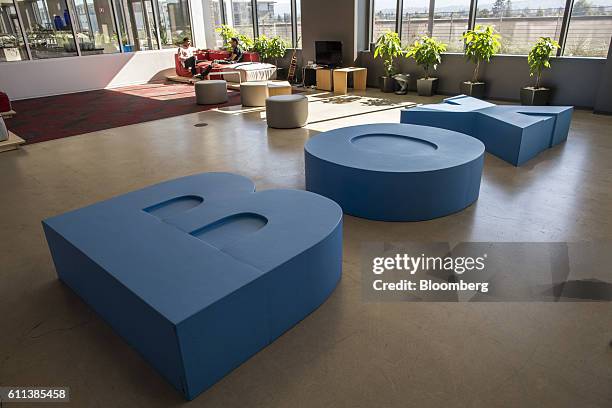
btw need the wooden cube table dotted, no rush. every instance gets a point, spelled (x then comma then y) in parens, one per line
(360, 76)
(279, 88)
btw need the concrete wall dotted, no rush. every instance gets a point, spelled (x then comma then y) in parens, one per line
(576, 81)
(603, 103)
(330, 20)
(28, 79)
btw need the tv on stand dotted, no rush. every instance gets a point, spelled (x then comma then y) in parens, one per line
(328, 53)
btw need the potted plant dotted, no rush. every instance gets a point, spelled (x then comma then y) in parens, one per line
(246, 42)
(426, 52)
(481, 44)
(269, 48)
(388, 47)
(277, 47)
(227, 32)
(538, 59)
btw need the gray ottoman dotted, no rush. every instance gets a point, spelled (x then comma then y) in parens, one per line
(287, 111)
(254, 93)
(211, 92)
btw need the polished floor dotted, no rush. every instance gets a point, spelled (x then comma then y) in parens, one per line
(348, 353)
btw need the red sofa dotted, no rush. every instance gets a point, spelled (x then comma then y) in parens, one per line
(207, 57)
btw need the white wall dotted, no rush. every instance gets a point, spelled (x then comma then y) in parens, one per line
(28, 79)
(327, 20)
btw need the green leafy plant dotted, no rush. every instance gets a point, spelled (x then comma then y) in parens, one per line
(481, 44)
(270, 48)
(539, 57)
(245, 42)
(277, 49)
(426, 52)
(228, 32)
(388, 47)
(260, 46)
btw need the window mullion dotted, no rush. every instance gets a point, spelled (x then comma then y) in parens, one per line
(371, 19)
(222, 10)
(430, 23)
(72, 12)
(255, 18)
(117, 25)
(22, 30)
(472, 15)
(155, 5)
(294, 34)
(569, 5)
(398, 17)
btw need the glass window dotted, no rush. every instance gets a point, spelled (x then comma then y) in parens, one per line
(385, 15)
(212, 20)
(239, 14)
(415, 20)
(589, 29)
(520, 27)
(137, 25)
(274, 18)
(174, 22)
(450, 22)
(12, 47)
(48, 28)
(94, 26)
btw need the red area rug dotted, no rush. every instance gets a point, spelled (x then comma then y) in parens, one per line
(55, 117)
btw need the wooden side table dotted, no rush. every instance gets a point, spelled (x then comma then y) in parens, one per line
(360, 76)
(13, 142)
(276, 87)
(325, 79)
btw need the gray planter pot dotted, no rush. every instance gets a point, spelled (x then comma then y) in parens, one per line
(533, 96)
(427, 87)
(475, 89)
(402, 82)
(387, 84)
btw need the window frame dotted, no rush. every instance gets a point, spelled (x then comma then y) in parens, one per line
(117, 26)
(567, 15)
(255, 17)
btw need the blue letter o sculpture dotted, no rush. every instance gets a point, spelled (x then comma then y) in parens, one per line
(395, 172)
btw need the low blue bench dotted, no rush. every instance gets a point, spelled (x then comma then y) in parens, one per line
(395, 172)
(201, 272)
(512, 133)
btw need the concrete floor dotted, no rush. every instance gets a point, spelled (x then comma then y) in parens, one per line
(348, 353)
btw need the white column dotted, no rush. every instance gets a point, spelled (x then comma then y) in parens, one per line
(198, 27)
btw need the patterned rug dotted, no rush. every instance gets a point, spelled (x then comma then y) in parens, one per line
(55, 117)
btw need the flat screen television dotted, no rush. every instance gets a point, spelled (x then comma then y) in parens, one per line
(328, 53)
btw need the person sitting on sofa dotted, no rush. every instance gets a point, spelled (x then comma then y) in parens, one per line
(236, 55)
(187, 56)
